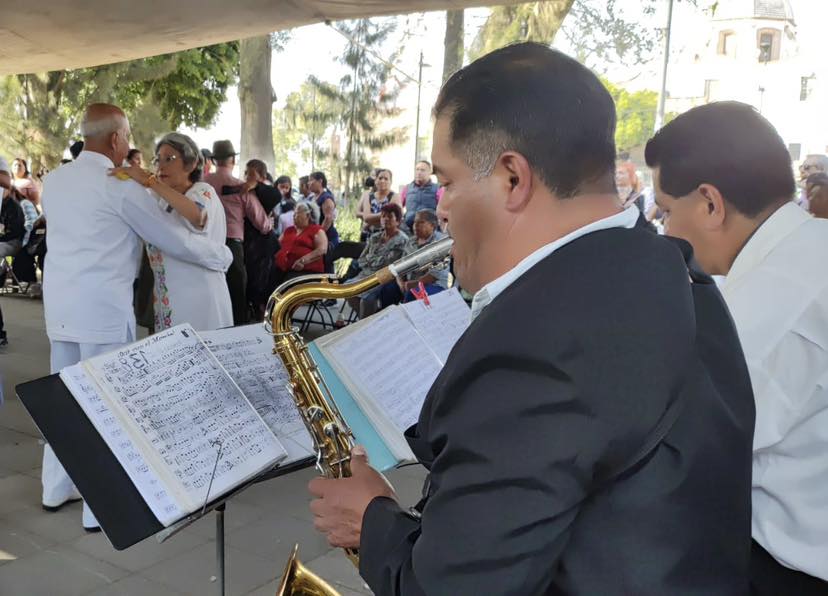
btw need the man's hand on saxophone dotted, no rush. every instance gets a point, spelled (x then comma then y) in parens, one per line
(340, 503)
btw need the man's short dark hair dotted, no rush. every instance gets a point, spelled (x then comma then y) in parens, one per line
(540, 103)
(320, 176)
(425, 161)
(728, 145)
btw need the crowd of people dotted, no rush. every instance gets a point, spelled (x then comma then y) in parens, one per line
(637, 428)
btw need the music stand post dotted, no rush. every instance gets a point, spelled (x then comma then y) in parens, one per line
(98, 475)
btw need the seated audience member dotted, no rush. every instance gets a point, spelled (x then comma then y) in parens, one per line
(24, 183)
(373, 200)
(383, 248)
(185, 292)
(12, 226)
(724, 181)
(302, 250)
(24, 262)
(426, 231)
(817, 189)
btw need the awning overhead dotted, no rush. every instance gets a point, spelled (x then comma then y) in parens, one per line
(62, 34)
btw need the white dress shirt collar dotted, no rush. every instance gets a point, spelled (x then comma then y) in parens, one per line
(783, 222)
(95, 157)
(625, 219)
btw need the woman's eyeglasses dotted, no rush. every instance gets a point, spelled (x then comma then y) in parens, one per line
(165, 160)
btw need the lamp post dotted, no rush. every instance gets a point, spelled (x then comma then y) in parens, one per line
(417, 125)
(662, 96)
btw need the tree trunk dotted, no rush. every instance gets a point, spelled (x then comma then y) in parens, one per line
(256, 97)
(453, 57)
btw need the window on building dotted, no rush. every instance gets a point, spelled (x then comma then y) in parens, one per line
(795, 149)
(805, 87)
(768, 42)
(727, 44)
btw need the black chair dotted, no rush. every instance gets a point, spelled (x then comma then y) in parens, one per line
(320, 313)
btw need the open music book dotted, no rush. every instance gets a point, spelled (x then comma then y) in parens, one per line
(380, 369)
(191, 416)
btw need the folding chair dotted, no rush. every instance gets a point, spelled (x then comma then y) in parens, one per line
(319, 314)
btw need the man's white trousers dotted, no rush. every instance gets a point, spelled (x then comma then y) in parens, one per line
(57, 486)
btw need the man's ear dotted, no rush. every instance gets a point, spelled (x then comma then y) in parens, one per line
(515, 175)
(714, 205)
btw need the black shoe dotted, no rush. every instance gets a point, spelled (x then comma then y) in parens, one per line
(3, 340)
(94, 530)
(56, 508)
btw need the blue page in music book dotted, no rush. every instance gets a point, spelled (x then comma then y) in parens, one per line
(379, 455)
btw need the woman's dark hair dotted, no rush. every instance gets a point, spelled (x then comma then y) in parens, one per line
(320, 176)
(268, 177)
(132, 153)
(283, 179)
(392, 208)
(540, 103)
(369, 183)
(25, 165)
(258, 166)
(728, 145)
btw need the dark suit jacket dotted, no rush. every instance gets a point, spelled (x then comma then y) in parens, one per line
(550, 471)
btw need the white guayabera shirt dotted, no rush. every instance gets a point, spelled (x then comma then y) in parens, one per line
(777, 291)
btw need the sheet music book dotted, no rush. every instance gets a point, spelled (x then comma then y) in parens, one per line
(176, 419)
(380, 369)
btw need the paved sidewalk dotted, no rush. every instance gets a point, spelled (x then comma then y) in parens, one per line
(49, 554)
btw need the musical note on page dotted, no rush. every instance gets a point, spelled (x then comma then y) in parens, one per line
(177, 401)
(148, 484)
(442, 323)
(246, 353)
(385, 359)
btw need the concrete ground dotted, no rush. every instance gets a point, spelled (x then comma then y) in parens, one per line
(49, 554)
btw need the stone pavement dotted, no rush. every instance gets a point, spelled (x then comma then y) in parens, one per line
(49, 554)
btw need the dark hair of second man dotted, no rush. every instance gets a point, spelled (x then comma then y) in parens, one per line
(540, 103)
(728, 145)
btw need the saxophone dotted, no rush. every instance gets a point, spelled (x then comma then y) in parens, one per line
(330, 433)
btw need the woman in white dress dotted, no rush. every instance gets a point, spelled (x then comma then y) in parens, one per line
(185, 292)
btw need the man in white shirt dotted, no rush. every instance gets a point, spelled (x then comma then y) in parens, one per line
(96, 224)
(724, 181)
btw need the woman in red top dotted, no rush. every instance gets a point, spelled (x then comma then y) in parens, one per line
(303, 248)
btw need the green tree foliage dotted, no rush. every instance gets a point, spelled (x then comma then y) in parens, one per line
(368, 93)
(303, 128)
(41, 112)
(636, 116)
(531, 21)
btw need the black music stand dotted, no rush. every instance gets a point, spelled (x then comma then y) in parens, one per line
(125, 520)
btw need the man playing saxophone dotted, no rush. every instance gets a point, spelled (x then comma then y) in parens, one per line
(591, 431)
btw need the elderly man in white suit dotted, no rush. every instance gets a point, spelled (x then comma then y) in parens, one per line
(96, 224)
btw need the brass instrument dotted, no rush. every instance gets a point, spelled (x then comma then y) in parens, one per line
(330, 433)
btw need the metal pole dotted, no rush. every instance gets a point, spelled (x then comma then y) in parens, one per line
(220, 549)
(662, 96)
(417, 126)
